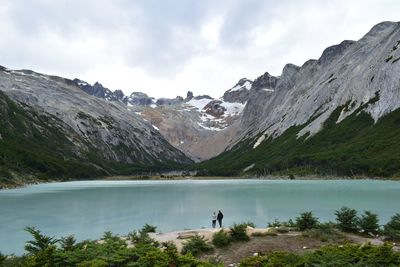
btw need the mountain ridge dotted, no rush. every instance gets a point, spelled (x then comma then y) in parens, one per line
(248, 129)
(350, 81)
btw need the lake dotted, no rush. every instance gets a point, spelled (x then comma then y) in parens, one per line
(89, 208)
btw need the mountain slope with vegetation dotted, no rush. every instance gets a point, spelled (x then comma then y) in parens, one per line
(338, 115)
(51, 130)
(354, 147)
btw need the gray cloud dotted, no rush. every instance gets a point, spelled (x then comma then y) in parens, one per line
(166, 47)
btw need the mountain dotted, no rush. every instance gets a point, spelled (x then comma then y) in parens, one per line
(337, 115)
(51, 128)
(197, 125)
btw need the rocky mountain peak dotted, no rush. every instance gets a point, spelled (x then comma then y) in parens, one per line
(333, 51)
(189, 96)
(265, 81)
(383, 26)
(239, 93)
(140, 99)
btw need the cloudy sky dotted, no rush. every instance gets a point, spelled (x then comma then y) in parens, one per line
(166, 47)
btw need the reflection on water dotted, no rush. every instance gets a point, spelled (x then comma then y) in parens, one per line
(89, 208)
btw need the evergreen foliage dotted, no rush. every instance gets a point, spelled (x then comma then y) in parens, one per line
(306, 221)
(238, 232)
(369, 223)
(221, 239)
(357, 146)
(347, 255)
(196, 245)
(392, 228)
(347, 219)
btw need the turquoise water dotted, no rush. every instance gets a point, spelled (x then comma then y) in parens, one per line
(89, 208)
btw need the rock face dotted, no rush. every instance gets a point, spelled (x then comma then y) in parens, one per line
(199, 126)
(191, 124)
(214, 108)
(140, 99)
(351, 75)
(106, 127)
(239, 93)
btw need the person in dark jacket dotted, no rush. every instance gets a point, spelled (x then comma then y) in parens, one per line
(220, 216)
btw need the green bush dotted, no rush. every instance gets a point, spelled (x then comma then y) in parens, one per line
(254, 261)
(147, 228)
(369, 223)
(195, 245)
(142, 238)
(347, 219)
(347, 255)
(324, 232)
(68, 243)
(275, 223)
(238, 232)
(392, 229)
(40, 241)
(2, 258)
(306, 221)
(93, 263)
(353, 255)
(282, 229)
(221, 239)
(290, 224)
(251, 224)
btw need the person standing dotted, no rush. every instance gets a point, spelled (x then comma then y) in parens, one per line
(214, 219)
(220, 216)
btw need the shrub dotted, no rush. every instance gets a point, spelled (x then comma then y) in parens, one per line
(195, 245)
(40, 243)
(369, 222)
(306, 221)
(142, 238)
(324, 232)
(275, 223)
(93, 263)
(147, 228)
(254, 261)
(221, 239)
(290, 224)
(392, 229)
(68, 243)
(347, 219)
(282, 229)
(353, 255)
(238, 232)
(251, 224)
(2, 258)
(347, 255)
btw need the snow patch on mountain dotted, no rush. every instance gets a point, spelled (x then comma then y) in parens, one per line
(245, 86)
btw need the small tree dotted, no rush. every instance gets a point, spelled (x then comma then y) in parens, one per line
(369, 222)
(306, 221)
(68, 243)
(147, 228)
(195, 245)
(347, 219)
(238, 232)
(221, 239)
(40, 242)
(392, 228)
